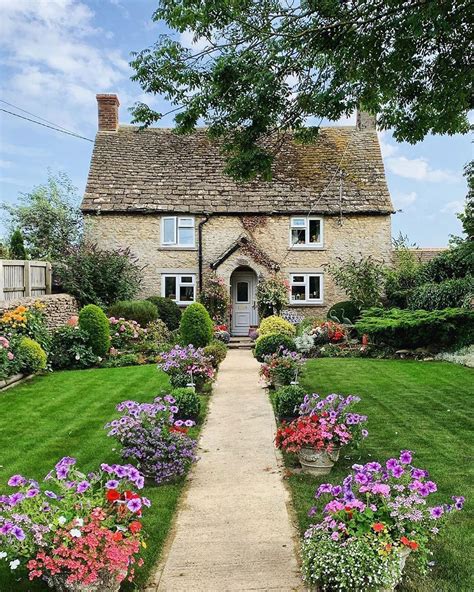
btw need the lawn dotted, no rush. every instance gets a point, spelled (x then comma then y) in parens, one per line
(64, 414)
(426, 407)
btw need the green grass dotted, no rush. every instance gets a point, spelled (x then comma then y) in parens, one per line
(422, 406)
(64, 414)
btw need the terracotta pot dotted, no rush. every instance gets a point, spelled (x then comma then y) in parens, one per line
(317, 462)
(106, 583)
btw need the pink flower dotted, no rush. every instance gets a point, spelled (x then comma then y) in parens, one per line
(10, 356)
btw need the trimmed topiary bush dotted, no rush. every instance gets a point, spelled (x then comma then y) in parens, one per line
(31, 355)
(276, 324)
(168, 311)
(196, 326)
(216, 351)
(270, 344)
(187, 402)
(94, 321)
(287, 400)
(141, 311)
(343, 310)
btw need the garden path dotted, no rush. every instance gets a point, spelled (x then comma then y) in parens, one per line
(233, 530)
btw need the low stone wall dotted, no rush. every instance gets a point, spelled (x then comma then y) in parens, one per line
(58, 307)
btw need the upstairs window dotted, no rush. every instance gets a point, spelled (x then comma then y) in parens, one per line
(179, 287)
(306, 288)
(306, 232)
(177, 231)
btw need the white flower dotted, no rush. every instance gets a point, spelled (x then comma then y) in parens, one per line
(75, 532)
(3, 555)
(78, 357)
(79, 522)
(62, 520)
(14, 564)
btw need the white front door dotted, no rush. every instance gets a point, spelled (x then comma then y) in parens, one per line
(244, 307)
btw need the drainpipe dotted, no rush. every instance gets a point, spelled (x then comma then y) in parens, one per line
(200, 226)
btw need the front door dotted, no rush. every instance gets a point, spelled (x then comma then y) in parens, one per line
(244, 309)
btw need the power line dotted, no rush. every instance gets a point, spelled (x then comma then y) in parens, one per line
(57, 129)
(35, 116)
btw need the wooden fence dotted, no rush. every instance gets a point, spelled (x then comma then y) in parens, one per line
(24, 278)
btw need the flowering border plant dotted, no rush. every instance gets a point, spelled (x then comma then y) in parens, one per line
(282, 366)
(324, 424)
(124, 334)
(328, 332)
(183, 363)
(26, 320)
(9, 363)
(81, 528)
(152, 437)
(369, 523)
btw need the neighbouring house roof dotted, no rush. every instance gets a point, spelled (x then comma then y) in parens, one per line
(427, 253)
(156, 170)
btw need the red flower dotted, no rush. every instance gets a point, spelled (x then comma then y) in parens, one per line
(113, 495)
(413, 545)
(405, 541)
(117, 536)
(135, 526)
(378, 527)
(131, 495)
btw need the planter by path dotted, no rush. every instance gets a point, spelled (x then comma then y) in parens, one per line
(106, 583)
(317, 462)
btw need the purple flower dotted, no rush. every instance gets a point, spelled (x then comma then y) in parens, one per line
(431, 486)
(18, 533)
(134, 505)
(458, 502)
(364, 433)
(189, 423)
(16, 481)
(391, 464)
(381, 488)
(324, 488)
(373, 467)
(121, 471)
(419, 473)
(62, 472)
(423, 490)
(405, 457)
(6, 528)
(33, 492)
(51, 494)
(16, 498)
(140, 482)
(361, 478)
(82, 486)
(335, 536)
(336, 490)
(179, 423)
(112, 484)
(436, 512)
(397, 472)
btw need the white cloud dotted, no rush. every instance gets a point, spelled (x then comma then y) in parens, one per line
(386, 148)
(187, 39)
(419, 169)
(401, 200)
(453, 207)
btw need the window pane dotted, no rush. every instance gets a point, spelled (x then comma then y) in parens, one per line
(186, 236)
(297, 292)
(168, 230)
(314, 287)
(187, 279)
(299, 222)
(298, 279)
(242, 292)
(170, 287)
(315, 231)
(186, 293)
(186, 222)
(298, 237)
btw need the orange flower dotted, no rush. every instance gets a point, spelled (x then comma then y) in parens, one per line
(135, 526)
(378, 527)
(117, 536)
(405, 541)
(413, 545)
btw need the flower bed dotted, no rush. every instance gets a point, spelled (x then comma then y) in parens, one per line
(186, 365)
(282, 367)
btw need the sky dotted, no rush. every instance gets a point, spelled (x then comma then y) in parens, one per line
(55, 55)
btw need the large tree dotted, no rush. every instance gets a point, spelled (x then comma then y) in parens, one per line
(48, 217)
(262, 67)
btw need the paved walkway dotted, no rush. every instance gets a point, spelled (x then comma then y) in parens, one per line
(233, 530)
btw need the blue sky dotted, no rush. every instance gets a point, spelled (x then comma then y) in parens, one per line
(55, 55)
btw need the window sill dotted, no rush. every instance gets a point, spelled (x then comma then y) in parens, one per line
(307, 248)
(176, 248)
(305, 303)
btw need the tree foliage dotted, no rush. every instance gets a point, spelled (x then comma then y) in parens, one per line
(261, 68)
(17, 245)
(48, 217)
(361, 279)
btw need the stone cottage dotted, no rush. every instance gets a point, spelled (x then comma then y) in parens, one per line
(167, 197)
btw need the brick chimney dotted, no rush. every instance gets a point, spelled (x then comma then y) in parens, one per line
(365, 121)
(108, 112)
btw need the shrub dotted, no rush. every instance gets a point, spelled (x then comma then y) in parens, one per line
(282, 367)
(168, 311)
(180, 362)
(196, 326)
(404, 275)
(158, 332)
(123, 360)
(187, 402)
(216, 351)
(274, 324)
(272, 295)
(304, 343)
(270, 344)
(9, 363)
(418, 328)
(288, 399)
(95, 276)
(141, 311)
(215, 297)
(93, 320)
(456, 262)
(31, 355)
(28, 321)
(447, 294)
(344, 310)
(223, 336)
(361, 279)
(124, 334)
(70, 349)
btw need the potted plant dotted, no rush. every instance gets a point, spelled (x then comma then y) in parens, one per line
(369, 524)
(77, 532)
(323, 428)
(282, 368)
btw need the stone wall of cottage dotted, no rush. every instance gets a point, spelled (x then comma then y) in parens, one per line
(362, 236)
(58, 308)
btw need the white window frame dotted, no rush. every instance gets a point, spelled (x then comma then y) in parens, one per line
(305, 226)
(179, 283)
(305, 283)
(179, 222)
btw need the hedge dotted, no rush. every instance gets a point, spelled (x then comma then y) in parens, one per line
(141, 311)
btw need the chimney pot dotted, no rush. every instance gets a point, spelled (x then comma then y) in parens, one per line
(365, 121)
(108, 105)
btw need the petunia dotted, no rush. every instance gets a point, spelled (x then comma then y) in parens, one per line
(134, 505)
(16, 481)
(436, 512)
(83, 486)
(112, 484)
(405, 457)
(18, 533)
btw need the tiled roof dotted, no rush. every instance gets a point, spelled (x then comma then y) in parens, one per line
(427, 253)
(156, 170)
